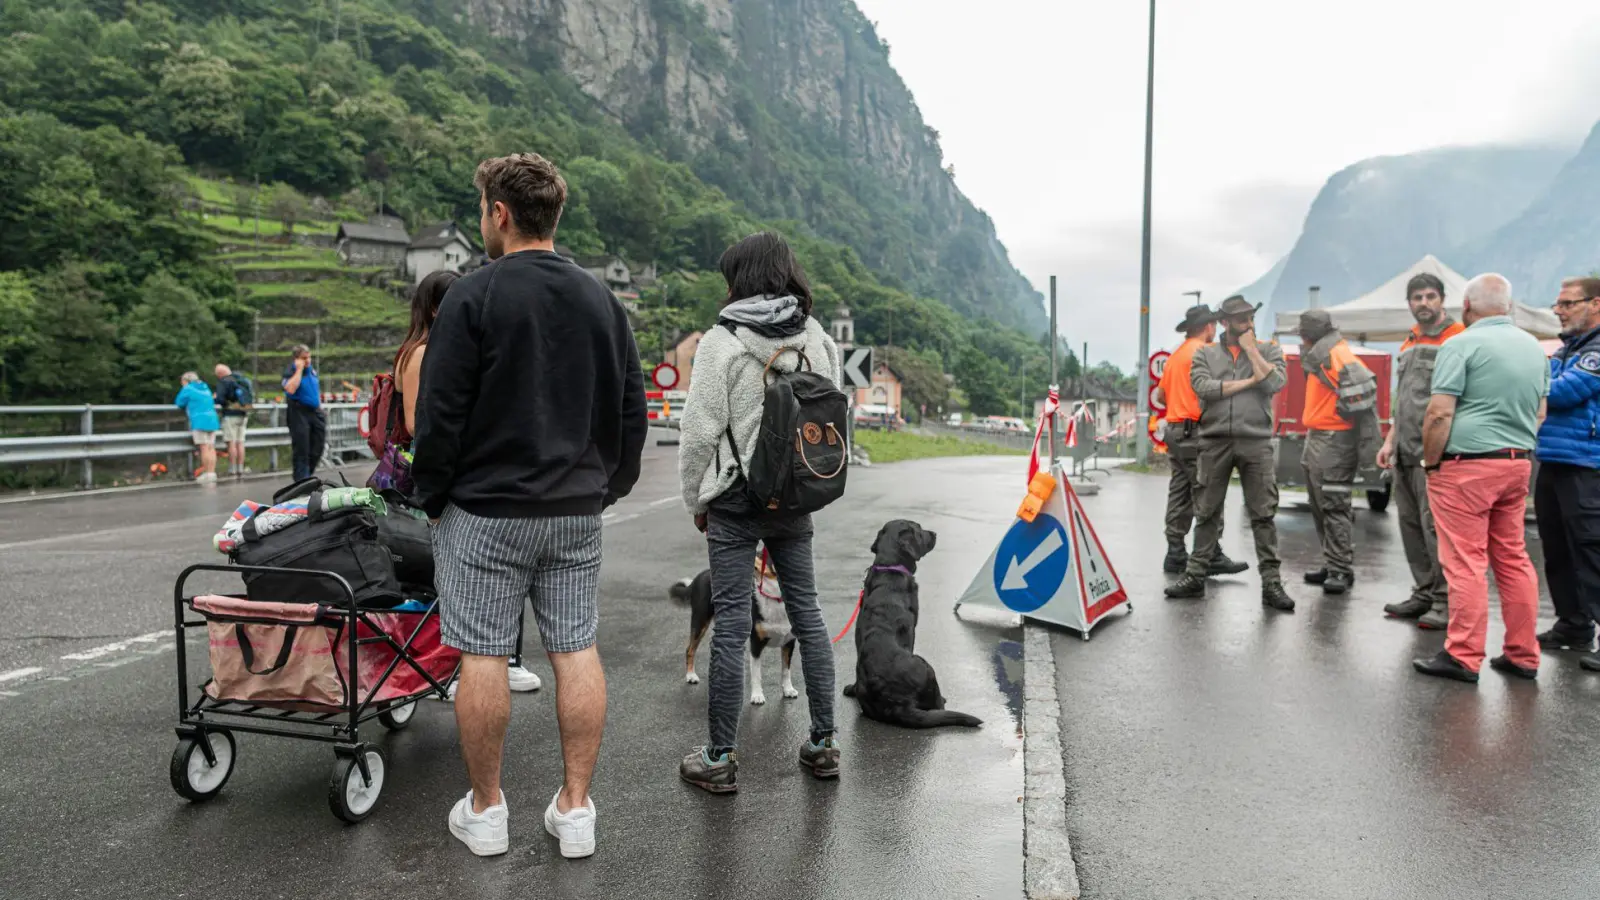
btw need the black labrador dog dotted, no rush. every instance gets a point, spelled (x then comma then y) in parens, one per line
(893, 684)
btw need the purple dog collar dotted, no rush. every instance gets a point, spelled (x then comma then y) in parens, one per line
(901, 569)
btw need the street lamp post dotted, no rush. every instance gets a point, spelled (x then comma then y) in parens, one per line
(1195, 295)
(1142, 446)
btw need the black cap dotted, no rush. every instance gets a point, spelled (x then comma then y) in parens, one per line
(1197, 316)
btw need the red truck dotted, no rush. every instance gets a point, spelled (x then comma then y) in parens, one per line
(1290, 435)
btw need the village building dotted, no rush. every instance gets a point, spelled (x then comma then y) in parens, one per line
(380, 241)
(443, 246)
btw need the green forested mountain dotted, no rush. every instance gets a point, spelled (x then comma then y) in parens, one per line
(680, 128)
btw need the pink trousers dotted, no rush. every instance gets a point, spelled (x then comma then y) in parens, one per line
(1478, 510)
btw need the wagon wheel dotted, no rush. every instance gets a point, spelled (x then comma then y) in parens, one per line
(195, 778)
(350, 795)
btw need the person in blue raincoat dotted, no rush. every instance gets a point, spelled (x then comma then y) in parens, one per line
(196, 400)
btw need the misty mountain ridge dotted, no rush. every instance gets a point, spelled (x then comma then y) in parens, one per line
(1379, 216)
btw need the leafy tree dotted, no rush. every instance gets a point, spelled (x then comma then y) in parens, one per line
(17, 332)
(172, 331)
(74, 357)
(287, 205)
(200, 104)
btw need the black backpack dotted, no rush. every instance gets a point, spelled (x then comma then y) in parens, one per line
(345, 542)
(239, 392)
(802, 451)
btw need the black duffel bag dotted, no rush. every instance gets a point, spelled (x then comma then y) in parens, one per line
(343, 541)
(404, 532)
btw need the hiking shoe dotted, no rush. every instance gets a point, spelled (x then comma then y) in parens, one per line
(1316, 576)
(822, 758)
(1408, 609)
(574, 829)
(1337, 582)
(1434, 620)
(484, 833)
(1559, 638)
(522, 680)
(719, 776)
(1273, 595)
(1443, 665)
(1177, 560)
(1187, 587)
(1502, 664)
(1222, 565)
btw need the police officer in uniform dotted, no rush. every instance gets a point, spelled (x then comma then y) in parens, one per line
(1199, 328)
(1340, 417)
(1567, 488)
(1235, 380)
(1402, 451)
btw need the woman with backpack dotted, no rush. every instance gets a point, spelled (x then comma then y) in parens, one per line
(394, 465)
(764, 331)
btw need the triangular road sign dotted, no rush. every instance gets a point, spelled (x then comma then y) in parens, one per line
(1053, 569)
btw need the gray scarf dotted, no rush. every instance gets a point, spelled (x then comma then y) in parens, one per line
(772, 317)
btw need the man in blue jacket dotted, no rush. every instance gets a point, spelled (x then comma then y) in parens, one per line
(308, 424)
(1567, 492)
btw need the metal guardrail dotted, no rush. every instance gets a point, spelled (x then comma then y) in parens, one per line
(343, 435)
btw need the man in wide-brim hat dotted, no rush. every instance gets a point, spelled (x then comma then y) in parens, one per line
(1199, 328)
(1235, 379)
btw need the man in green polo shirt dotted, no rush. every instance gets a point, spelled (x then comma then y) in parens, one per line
(1489, 387)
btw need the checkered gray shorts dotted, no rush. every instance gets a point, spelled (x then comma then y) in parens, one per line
(486, 568)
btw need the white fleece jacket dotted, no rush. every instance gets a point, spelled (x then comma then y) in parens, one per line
(726, 388)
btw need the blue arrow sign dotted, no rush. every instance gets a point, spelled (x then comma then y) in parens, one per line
(1031, 563)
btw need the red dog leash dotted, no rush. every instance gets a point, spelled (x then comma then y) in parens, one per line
(860, 597)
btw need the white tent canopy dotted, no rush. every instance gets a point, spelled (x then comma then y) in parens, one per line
(1383, 315)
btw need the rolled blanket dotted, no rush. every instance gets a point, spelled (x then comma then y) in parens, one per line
(282, 515)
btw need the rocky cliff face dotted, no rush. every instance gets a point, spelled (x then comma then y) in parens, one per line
(1379, 216)
(1556, 237)
(780, 102)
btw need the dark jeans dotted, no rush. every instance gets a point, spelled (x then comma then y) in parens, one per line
(308, 435)
(1567, 508)
(734, 526)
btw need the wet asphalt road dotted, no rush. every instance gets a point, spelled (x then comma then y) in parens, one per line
(87, 809)
(1215, 749)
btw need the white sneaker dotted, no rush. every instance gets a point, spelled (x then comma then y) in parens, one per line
(575, 830)
(522, 680)
(207, 478)
(484, 833)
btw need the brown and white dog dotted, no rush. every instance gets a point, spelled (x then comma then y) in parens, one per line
(769, 622)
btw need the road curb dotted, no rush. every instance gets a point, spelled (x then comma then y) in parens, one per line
(1049, 872)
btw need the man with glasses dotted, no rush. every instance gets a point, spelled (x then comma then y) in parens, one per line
(1235, 379)
(1402, 451)
(1567, 492)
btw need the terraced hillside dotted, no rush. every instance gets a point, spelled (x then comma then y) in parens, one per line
(353, 317)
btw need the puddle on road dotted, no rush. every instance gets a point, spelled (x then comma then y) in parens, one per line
(1007, 661)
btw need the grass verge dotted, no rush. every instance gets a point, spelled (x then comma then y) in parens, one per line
(897, 446)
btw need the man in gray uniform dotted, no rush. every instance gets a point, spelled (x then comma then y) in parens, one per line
(1402, 452)
(1235, 380)
(1341, 430)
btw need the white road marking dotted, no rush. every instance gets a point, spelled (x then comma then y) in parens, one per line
(105, 532)
(107, 649)
(663, 501)
(14, 674)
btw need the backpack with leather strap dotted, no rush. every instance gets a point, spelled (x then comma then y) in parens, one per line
(801, 454)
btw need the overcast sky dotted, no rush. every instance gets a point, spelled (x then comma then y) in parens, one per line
(1040, 104)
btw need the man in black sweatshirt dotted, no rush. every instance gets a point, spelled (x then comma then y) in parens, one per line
(530, 420)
